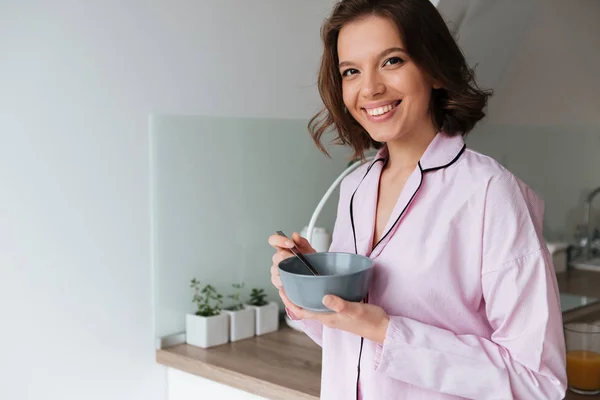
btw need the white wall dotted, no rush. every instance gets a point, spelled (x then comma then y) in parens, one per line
(544, 119)
(540, 56)
(554, 78)
(77, 81)
(490, 33)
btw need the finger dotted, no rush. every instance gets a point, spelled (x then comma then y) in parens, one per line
(302, 244)
(276, 281)
(275, 278)
(338, 304)
(288, 304)
(280, 242)
(276, 259)
(280, 255)
(297, 311)
(301, 313)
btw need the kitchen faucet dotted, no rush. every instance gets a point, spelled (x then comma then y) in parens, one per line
(587, 221)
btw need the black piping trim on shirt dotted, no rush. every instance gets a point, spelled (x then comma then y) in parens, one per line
(358, 366)
(362, 339)
(403, 210)
(384, 236)
(455, 159)
(352, 200)
(423, 171)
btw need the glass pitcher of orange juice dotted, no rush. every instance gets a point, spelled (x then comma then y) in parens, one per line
(583, 357)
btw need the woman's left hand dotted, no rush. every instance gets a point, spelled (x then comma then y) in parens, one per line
(366, 320)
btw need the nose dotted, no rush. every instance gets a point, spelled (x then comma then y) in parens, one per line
(372, 85)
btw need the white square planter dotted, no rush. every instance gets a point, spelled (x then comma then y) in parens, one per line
(241, 323)
(267, 318)
(206, 331)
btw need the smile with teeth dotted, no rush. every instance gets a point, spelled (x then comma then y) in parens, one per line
(376, 112)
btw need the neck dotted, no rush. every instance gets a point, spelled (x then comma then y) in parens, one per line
(404, 153)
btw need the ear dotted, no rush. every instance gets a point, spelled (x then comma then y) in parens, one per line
(435, 84)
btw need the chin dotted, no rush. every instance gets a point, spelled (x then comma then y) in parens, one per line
(382, 136)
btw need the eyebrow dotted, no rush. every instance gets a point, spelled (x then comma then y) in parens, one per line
(382, 54)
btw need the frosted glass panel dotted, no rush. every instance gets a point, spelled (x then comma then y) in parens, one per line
(220, 187)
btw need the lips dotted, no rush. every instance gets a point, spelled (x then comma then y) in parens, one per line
(383, 109)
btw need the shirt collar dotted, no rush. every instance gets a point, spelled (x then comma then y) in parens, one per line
(443, 151)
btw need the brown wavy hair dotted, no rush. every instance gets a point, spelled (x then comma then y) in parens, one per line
(455, 108)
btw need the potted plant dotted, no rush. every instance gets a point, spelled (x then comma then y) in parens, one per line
(241, 317)
(267, 312)
(207, 327)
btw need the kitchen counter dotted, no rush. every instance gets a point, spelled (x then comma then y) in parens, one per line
(287, 364)
(584, 285)
(284, 365)
(579, 282)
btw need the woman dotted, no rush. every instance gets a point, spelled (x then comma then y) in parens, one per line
(464, 301)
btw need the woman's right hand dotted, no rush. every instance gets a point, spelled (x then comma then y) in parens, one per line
(282, 246)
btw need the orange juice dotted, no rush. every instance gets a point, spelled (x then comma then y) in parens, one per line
(583, 369)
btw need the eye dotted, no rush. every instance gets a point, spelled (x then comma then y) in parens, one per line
(349, 71)
(394, 60)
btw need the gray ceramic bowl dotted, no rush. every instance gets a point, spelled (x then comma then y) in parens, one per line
(345, 275)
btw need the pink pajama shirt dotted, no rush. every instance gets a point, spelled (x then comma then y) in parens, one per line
(465, 276)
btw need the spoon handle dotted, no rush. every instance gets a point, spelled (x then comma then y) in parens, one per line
(300, 256)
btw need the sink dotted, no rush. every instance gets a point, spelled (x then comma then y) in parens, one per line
(588, 265)
(569, 302)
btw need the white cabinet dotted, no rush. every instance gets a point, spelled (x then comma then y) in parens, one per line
(184, 386)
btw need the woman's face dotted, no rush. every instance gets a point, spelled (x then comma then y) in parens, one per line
(382, 88)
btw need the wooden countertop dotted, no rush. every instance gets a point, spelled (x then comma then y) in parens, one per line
(582, 283)
(283, 365)
(286, 365)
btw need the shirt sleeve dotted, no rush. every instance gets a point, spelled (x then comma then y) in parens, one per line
(312, 328)
(525, 356)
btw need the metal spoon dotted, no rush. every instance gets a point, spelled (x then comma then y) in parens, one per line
(294, 250)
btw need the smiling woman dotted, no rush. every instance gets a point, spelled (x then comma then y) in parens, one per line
(463, 300)
(379, 57)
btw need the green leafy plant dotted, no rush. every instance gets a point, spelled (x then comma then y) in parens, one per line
(236, 297)
(258, 297)
(203, 298)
